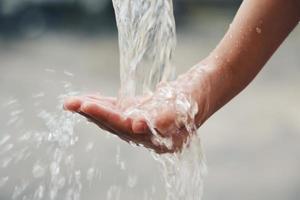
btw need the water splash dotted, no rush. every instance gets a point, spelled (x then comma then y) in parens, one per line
(147, 40)
(38, 162)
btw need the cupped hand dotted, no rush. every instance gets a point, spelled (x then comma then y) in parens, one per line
(169, 114)
(108, 115)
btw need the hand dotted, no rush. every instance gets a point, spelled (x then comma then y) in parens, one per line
(171, 111)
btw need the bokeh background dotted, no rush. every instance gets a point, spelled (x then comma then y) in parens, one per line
(252, 144)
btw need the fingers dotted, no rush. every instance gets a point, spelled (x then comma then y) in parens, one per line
(138, 126)
(73, 104)
(104, 112)
(106, 115)
(110, 100)
(164, 122)
(102, 126)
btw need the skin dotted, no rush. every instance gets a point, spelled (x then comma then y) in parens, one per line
(258, 29)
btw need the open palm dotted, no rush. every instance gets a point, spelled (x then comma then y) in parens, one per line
(107, 114)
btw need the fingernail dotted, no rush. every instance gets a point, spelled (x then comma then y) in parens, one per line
(72, 104)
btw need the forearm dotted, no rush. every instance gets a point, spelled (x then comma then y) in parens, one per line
(258, 29)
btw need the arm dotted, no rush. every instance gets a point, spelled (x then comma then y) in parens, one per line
(258, 29)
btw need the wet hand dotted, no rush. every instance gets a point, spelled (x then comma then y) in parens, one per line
(107, 114)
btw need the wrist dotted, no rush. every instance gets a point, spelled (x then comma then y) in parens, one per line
(196, 84)
(209, 84)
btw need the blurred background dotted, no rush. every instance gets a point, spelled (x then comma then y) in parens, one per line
(252, 144)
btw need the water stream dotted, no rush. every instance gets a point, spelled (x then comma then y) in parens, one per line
(147, 40)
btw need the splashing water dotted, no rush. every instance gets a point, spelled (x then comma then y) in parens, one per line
(40, 162)
(147, 39)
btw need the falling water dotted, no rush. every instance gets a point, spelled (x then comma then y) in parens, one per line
(147, 39)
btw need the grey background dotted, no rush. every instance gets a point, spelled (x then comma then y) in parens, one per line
(252, 144)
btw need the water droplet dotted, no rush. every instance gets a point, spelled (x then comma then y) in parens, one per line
(113, 193)
(10, 102)
(54, 168)
(25, 136)
(7, 148)
(90, 174)
(132, 181)
(61, 182)
(89, 147)
(12, 120)
(16, 112)
(258, 30)
(53, 193)
(50, 70)
(38, 95)
(68, 73)
(6, 162)
(38, 170)
(4, 139)
(39, 193)
(19, 189)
